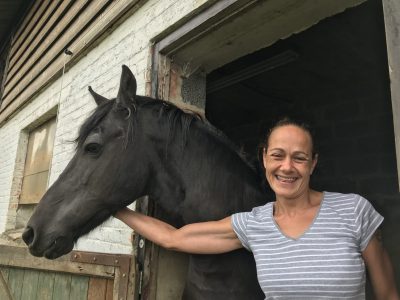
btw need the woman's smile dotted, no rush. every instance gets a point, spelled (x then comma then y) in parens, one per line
(286, 179)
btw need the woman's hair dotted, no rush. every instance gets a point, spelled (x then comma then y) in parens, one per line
(295, 122)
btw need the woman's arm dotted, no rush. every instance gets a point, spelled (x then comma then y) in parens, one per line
(380, 269)
(200, 238)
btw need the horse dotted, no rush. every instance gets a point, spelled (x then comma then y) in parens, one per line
(132, 146)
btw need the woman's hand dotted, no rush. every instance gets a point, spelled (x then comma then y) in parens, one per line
(200, 238)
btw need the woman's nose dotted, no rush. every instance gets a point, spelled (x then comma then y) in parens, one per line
(286, 164)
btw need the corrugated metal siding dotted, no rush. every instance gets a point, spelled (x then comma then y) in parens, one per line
(36, 53)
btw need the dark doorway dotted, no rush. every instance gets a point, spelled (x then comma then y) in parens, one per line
(335, 75)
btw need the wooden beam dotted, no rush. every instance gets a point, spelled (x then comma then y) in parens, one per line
(19, 257)
(391, 10)
(201, 24)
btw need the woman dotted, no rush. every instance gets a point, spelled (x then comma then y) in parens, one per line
(307, 244)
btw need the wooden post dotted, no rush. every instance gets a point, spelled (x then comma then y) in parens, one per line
(391, 10)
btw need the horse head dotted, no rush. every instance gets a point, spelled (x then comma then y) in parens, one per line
(104, 175)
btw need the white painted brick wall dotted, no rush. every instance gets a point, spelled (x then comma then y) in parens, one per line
(101, 67)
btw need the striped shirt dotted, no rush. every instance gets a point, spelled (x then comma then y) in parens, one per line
(325, 262)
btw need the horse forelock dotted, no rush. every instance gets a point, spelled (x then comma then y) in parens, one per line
(97, 117)
(90, 123)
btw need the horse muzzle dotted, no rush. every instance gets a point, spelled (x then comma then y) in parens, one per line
(52, 249)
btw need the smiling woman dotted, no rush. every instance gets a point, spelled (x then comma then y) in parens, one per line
(306, 244)
(289, 159)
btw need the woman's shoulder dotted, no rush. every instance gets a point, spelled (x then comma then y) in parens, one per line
(342, 198)
(262, 212)
(345, 203)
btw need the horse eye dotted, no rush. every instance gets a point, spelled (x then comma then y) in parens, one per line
(93, 148)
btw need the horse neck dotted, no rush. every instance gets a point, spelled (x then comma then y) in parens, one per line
(223, 172)
(165, 181)
(192, 166)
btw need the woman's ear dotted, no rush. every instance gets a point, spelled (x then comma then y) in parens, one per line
(314, 163)
(264, 156)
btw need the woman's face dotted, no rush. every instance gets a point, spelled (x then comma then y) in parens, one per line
(288, 161)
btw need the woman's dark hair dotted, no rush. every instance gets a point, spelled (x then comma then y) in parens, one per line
(295, 122)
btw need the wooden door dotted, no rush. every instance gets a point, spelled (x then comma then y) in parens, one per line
(80, 275)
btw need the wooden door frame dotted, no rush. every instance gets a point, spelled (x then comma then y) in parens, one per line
(391, 13)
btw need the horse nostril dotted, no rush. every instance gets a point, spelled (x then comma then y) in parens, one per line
(28, 235)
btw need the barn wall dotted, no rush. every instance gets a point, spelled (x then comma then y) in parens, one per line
(128, 44)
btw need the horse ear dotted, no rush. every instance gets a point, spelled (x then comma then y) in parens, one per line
(127, 88)
(98, 98)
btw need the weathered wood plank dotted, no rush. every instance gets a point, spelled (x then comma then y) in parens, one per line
(62, 286)
(116, 12)
(4, 289)
(39, 43)
(79, 288)
(5, 271)
(59, 20)
(45, 285)
(29, 30)
(15, 280)
(20, 65)
(109, 289)
(29, 44)
(97, 289)
(24, 24)
(52, 47)
(29, 285)
(20, 257)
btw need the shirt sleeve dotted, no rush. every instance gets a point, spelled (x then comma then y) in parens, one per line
(367, 221)
(239, 225)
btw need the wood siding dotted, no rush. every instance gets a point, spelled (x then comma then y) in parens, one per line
(36, 54)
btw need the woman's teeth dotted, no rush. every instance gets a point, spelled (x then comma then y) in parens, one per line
(285, 178)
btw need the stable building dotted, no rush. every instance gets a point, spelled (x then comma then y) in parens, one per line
(241, 64)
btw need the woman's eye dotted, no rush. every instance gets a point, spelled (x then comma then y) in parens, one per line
(300, 159)
(93, 148)
(276, 156)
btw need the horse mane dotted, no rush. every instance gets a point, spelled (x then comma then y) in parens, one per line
(175, 117)
(184, 118)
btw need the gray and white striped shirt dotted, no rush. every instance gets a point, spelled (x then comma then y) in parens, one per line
(325, 262)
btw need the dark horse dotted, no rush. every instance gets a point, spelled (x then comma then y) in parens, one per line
(133, 146)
